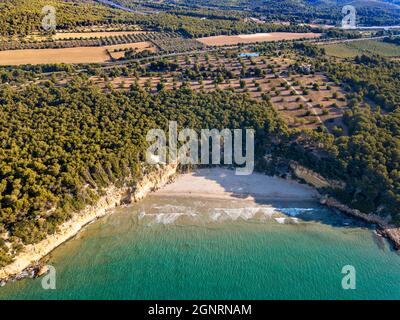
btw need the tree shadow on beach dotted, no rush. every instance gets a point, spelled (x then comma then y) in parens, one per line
(290, 198)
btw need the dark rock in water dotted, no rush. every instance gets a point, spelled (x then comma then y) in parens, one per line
(379, 240)
(41, 271)
(31, 272)
(23, 274)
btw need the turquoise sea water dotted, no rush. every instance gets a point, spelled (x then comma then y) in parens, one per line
(174, 248)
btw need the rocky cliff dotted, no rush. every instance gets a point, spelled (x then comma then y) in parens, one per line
(384, 227)
(312, 178)
(27, 261)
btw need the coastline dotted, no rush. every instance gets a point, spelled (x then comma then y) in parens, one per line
(384, 228)
(222, 183)
(27, 262)
(216, 183)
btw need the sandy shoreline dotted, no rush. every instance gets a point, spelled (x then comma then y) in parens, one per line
(211, 183)
(216, 183)
(220, 183)
(31, 255)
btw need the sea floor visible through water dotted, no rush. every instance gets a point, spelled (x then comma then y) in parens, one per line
(170, 247)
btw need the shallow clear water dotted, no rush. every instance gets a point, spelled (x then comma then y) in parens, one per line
(174, 248)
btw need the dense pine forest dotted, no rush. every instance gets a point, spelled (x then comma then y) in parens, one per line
(23, 17)
(65, 138)
(61, 147)
(370, 13)
(368, 157)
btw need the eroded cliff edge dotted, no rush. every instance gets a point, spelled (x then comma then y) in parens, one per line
(27, 261)
(384, 225)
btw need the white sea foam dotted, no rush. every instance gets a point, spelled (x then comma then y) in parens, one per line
(295, 211)
(268, 212)
(171, 208)
(240, 213)
(236, 213)
(169, 214)
(280, 220)
(168, 218)
(142, 214)
(165, 217)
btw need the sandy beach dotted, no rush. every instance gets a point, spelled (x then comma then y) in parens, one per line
(31, 255)
(222, 183)
(215, 183)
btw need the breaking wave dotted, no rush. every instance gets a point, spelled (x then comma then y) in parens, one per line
(169, 214)
(293, 212)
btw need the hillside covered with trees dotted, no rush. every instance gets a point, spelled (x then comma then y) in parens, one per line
(367, 158)
(63, 139)
(370, 13)
(60, 147)
(24, 17)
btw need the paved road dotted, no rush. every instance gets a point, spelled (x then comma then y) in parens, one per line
(118, 6)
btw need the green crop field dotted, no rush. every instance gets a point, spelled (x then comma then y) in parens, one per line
(352, 49)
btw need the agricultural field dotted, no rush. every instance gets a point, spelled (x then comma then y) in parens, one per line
(103, 28)
(44, 56)
(253, 38)
(303, 100)
(75, 55)
(177, 44)
(90, 41)
(118, 51)
(355, 48)
(101, 31)
(91, 50)
(88, 35)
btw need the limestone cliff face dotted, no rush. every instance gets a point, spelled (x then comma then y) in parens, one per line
(386, 229)
(313, 178)
(32, 254)
(153, 181)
